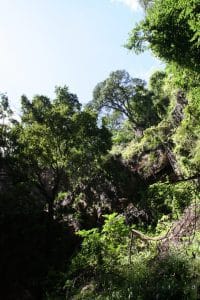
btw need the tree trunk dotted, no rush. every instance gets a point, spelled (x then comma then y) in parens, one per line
(51, 209)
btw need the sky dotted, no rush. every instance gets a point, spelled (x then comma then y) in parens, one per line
(48, 43)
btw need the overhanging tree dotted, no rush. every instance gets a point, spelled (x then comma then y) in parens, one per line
(171, 29)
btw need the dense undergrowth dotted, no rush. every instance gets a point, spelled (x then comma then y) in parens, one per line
(111, 265)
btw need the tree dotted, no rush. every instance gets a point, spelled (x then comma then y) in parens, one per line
(58, 144)
(5, 121)
(119, 92)
(171, 29)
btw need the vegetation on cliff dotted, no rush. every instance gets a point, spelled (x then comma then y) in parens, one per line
(102, 201)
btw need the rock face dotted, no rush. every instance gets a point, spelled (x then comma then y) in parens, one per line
(116, 189)
(111, 190)
(151, 165)
(183, 230)
(178, 112)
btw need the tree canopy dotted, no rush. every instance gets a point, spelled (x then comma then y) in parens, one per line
(171, 29)
(129, 96)
(57, 142)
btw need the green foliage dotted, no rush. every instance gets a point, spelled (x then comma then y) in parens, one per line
(172, 278)
(187, 135)
(123, 135)
(103, 248)
(180, 78)
(160, 99)
(6, 121)
(171, 30)
(169, 199)
(175, 276)
(58, 144)
(152, 138)
(5, 111)
(119, 92)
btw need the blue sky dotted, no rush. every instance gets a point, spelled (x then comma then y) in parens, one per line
(45, 43)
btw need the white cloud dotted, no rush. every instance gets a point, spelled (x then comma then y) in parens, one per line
(133, 4)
